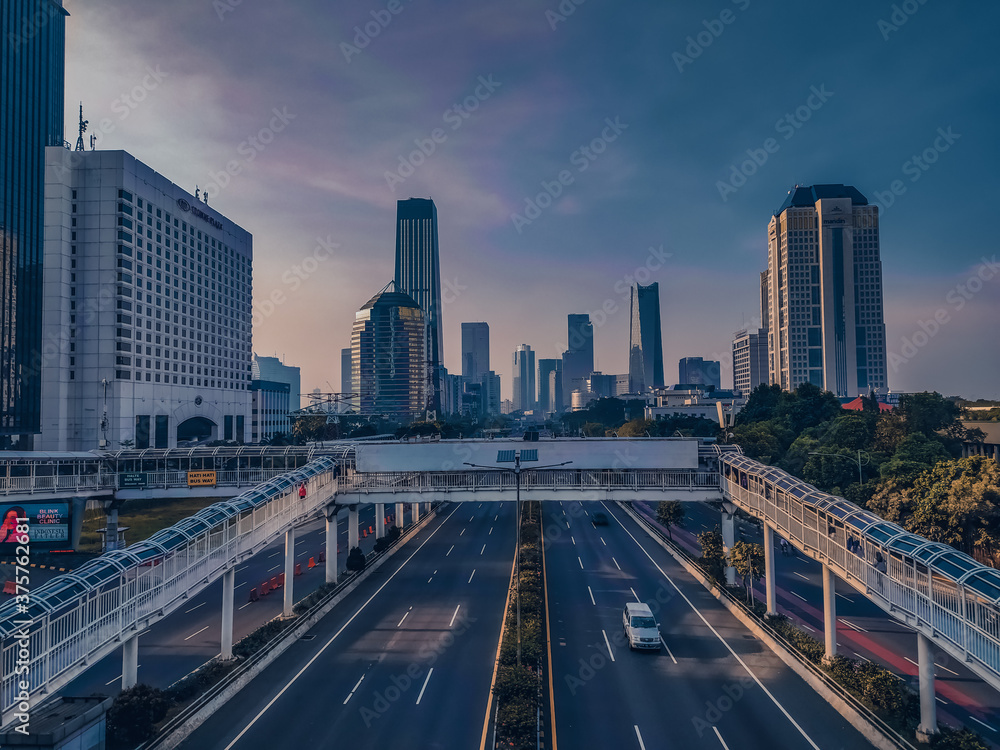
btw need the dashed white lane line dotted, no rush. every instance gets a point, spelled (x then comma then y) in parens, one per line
(450, 624)
(616, 563)
(429, 673)
(983, 723)
(798, 595)
(240, 584)
(351, 694)
(579, 561)
(449, 551)
(194, 634)
(804, 578)
(591, 597)
(573, 540)
(482, 550)
(403, 617)
(852, 626)
(846, 598)
(634, 594)
(195, 607)
(473, 573)
(461, 532)
(115, 679)
(638, 736)
(946, 669)
(271, 570)
(246, 605)
(604, 542)
(608, 644)
(491, 531)
(724, 745)
(669, 652)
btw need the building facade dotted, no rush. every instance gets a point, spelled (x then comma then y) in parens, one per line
(275, 390)
(550, 386)
(524, 378)
(749, 360)
(475, 351)
(824, 277)
(418, 274)
(146, 322)
(389, 356)
(698, 371)
(645, 360)
(346, 404)
(31, 118)
(491, 393)
(578, 359)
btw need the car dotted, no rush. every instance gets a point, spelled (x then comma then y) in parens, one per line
(641, 630)
(600, 519)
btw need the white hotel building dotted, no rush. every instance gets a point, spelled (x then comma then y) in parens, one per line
(146, 314)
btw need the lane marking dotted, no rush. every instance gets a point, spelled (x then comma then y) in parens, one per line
(982, 722)
(724, 745)
(496, 518)
(846, 598)
(604, 542)
(669, 652)
(945, 669)
(461, 532)
(804, 578)
(473, 573)
(579, 561)
(450, 624)
(572, 540)
(449, 551)
(334, 637)
(195, 607)
(616, 563)
(482, 550)
(240, 584)
(429, 673)
(245, 605)
(638, 736)
(911, 661)
(240, 570)
(634, 594)
(798, 595)
(194, 634)
(591, 597)
(491, 531)
(608, 644)
(351, 694)
(403, 617)
(271, 570)
(940, 700)
(470, 518)
(851, 625)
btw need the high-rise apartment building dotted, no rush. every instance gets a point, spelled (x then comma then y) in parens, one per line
(275, 391)
(418, 274)
(475, 351)
(578, 359)
(645, 360)
(346, 382)
(550, 385)
(31, 118)
(146, 323)
(749, 360)
(524, 378)
(388, 353)
(698, 371)
(491, 393)
(824, 292)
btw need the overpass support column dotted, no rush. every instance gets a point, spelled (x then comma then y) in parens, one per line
(379, 520)
(830, 612)
(427, 507)
(228, 593)
(111, 532)
(130, 662)
(352, 527)
(928, 709)
(729, 539)
(289, 572)
(772, 607)
(400, 514)
(415, 515)
(331, 545)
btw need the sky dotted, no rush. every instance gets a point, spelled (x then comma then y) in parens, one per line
(571, 148)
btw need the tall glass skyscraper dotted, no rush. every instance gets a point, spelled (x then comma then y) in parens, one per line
(524, 378)
(645, 359)
(578, 359)
(475, 351)
(31, 118)
(418, 274)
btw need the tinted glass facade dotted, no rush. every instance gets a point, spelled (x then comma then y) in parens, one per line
(645, 359)
(31, 118)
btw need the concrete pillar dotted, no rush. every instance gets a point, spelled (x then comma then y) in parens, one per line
(415, 514)
(928, 709)
(289, 571)
(427, 507)
(830, 612)
(228, 593)
(728, 539)
(352, 527)
(331, 545)
(400, 514)
(111, 532)
(772, 607)
(996, 453)
(130, 662)
(379, 520)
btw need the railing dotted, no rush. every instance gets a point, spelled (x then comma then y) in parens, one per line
(58, 483)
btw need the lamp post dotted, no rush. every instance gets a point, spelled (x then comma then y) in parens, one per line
(517, 553)
(849, 458)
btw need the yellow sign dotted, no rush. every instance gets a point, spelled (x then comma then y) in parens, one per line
(201, 478)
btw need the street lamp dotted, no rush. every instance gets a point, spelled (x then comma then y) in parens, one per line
(849, 458)
(517, 554)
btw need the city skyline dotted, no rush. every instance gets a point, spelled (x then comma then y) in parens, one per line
(646, 208)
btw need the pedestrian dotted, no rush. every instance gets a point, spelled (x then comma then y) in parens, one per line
(302, 490)
(784, 547)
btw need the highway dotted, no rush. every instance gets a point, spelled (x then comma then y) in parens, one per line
(864, 631)
(191, 635)
(405, 661)
(714, 685)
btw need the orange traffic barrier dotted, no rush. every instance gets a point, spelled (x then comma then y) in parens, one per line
(274, 583)
(312, 562)
(253, 596)
(371, 529)
(281, 579)
(298, 569)
(9, 587)
(264, 589)
(365, 534)
(322, 556)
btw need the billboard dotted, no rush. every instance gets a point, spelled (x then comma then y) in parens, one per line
(48, 524)
(201, 479)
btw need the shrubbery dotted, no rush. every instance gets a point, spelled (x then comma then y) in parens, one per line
(355, 560)
(133, 716)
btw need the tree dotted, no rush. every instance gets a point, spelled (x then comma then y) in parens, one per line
(748, 559)
(670, 513)
(356, 560)
(636, 428)
(133, 716)
(712, 553)
(760, 405)
(763, 441)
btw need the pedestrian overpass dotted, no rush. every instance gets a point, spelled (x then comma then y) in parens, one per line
(62, 628)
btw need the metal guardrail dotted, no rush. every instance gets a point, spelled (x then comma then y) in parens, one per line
(561, 479)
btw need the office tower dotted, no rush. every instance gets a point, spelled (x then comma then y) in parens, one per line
(147, 310)
(491, 393)
(475, 350)
(418, 274)
(31, 118)
(749, 360)
(578, 359)
(698, 371)
(825, 320)
(601, 385)
(524, 378)
(345, 381)
(389, 355)
(550, 381)
(275, 391)
(645, 361)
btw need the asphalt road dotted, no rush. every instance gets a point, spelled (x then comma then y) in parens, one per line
(403, 662)
(191, 635)
(864, 631)
(714, 685)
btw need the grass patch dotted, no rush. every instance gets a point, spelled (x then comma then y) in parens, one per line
(143, 517)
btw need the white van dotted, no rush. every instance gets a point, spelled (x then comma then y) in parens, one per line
(640, 626)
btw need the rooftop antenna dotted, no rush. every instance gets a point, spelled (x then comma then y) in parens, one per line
(83, 129)
(197, 193)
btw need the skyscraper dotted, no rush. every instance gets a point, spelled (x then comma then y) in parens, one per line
(345, 381)
(698, 371)
(418, 274)
(550, 392)
(31, 118)
(475, 351)
(645, 360)
(578, 359)
(824, 276)
(275, 388)
(749, 360)
(524, 378)
(388, 351)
